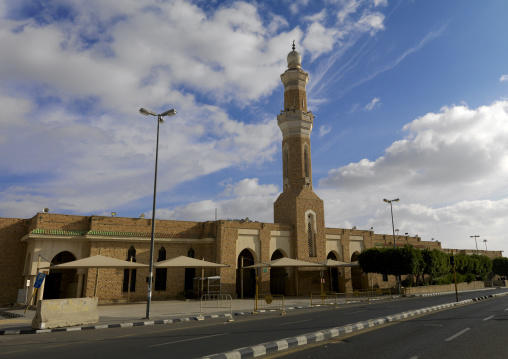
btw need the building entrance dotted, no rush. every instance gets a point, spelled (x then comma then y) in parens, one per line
(61, 283)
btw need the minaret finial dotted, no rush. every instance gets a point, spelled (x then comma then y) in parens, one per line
(293, 45)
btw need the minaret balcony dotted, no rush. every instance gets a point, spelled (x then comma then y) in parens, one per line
(295, 123)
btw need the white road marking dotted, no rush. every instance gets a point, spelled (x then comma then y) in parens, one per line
(359, 311)
(186, 340)
(456, 335)
(488, 318)
(300, 321)
(414, 358)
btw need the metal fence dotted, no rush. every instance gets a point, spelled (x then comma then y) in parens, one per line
(369, 295)
(269, 302)
(222, 301)
(326, 298)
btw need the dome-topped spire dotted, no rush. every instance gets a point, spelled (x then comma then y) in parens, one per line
(294, 59)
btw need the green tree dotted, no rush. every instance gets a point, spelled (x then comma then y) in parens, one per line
(483, 265)
(372, 261)
(437, 263)
(411, 260)
(500, 266)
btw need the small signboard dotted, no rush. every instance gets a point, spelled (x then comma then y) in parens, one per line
(39, 280)
(265, 270)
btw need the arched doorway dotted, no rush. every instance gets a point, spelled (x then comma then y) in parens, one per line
(356, 273)
(277, 276)
(61, 283)
(190, 274)
(334, 274)
(249, 275)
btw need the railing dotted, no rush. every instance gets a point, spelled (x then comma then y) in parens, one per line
(216, 301)
(269, 302)
(368, 295)
(325, 298)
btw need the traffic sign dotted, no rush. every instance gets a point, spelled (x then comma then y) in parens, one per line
(39, 280)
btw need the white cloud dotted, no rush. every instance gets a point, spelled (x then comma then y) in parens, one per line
(371, 104)
(319, 40)
(380, 2)
(503, 78)
(324, 129)
(246, 198)
(349, 7)
(450, 173)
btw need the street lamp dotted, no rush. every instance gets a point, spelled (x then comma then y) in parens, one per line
(475, 236)
(393, 229)
(146, 112)
(485, 241)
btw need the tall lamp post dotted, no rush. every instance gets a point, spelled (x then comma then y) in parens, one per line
(475, 236)
(146, 112)
(485, 241)
(393, 228)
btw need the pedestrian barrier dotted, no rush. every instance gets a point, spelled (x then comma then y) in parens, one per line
(216, 301)
(368, 295)
(269, 302)
(326, 298)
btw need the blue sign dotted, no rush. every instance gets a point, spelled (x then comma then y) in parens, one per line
(39, 280)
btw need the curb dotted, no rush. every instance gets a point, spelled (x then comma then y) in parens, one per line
(271, 347)
(127, 325)
(11, 314)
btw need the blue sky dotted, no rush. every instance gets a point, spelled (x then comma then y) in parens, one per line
(410, 99)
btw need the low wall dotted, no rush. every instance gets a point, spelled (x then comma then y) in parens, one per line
(56, 313)
(443, 288)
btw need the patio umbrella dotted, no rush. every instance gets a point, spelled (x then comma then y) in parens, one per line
(187, 262)
(334, 263)
(97, 261)
(285, 262)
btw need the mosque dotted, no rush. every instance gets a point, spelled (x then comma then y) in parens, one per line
(298, 232)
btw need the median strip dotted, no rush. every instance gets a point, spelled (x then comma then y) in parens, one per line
(270, 347)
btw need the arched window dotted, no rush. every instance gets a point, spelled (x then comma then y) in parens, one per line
(161, 274)
(131, 254)
(286, 162)
(306, 161)
(311, 237)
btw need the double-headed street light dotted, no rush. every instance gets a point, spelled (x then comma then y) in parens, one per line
(393, 228)
(146, 112)
(475, 236)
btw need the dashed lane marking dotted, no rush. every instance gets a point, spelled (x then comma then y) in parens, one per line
(456, 335)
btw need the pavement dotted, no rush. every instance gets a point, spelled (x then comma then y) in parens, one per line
(14, 320)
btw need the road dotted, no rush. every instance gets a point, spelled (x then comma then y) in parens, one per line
(197, 339)
(477, 331)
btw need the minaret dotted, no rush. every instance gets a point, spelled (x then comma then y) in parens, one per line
(298, 205)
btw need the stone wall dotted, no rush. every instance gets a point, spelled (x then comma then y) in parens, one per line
(443, 288)
(12, 258)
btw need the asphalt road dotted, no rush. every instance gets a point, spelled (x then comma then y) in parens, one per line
(197, 339)
(478, 330)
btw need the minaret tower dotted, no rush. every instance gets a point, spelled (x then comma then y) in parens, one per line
(298, 205)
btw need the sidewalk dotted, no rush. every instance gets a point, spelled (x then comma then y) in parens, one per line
(14, 320)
